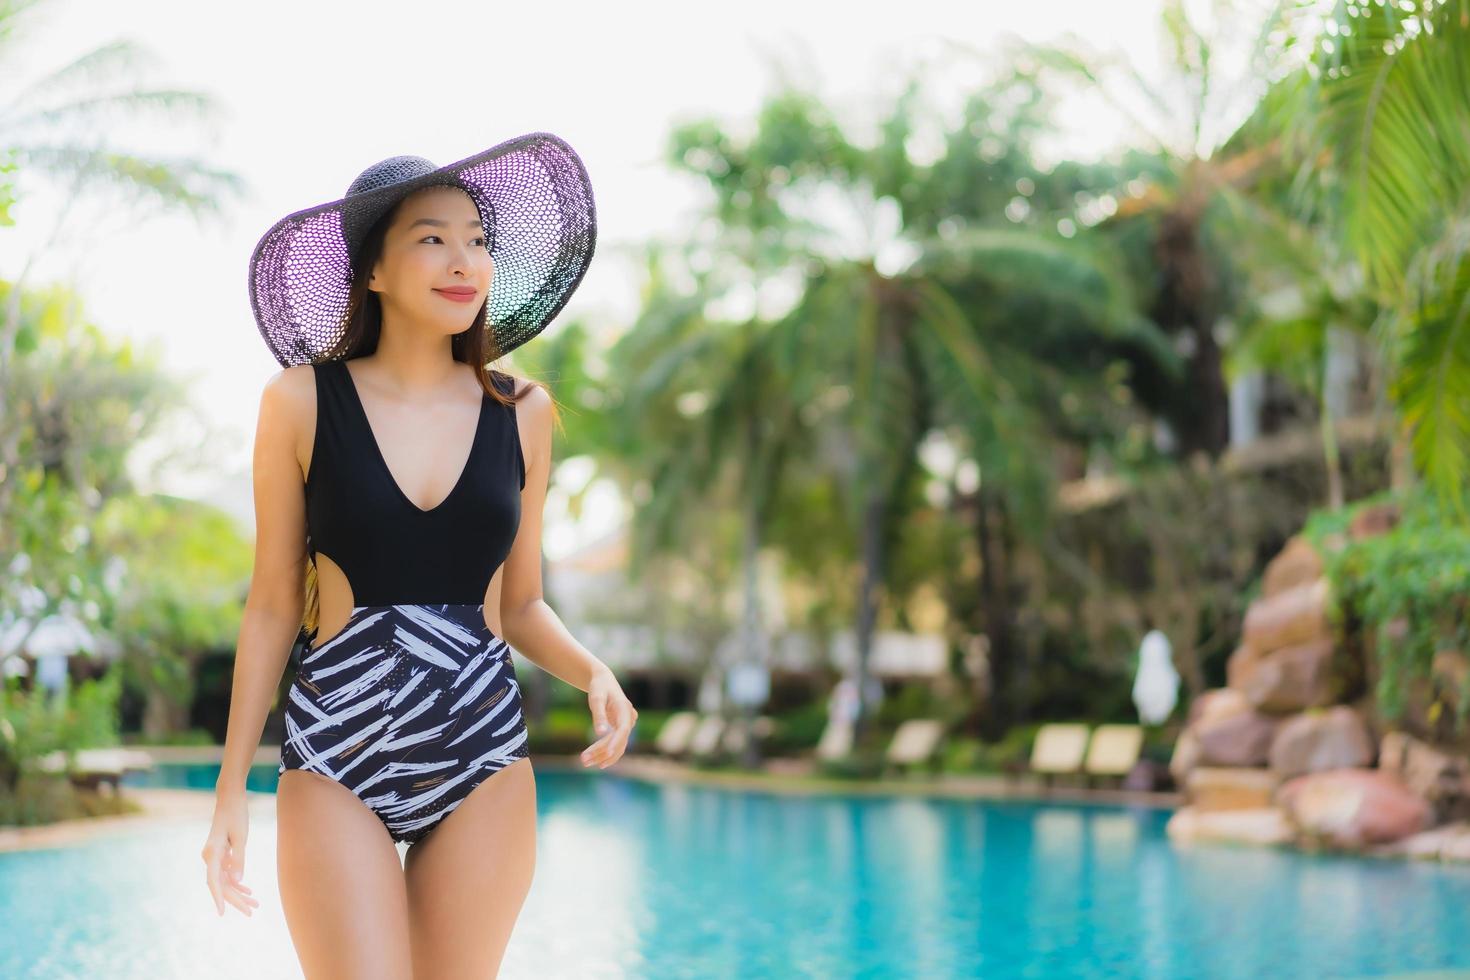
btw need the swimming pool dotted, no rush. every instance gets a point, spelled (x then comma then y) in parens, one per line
(690, 881)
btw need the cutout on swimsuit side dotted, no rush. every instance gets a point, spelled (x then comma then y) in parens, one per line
(326, 569)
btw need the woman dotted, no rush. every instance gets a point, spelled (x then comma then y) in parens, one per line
(411, 481)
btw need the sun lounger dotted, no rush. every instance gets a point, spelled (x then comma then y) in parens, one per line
(915, 742)
(836, 741)
(95, 768)
(1059, 749)
(735, 737)
(673, 737)
(1113, 752)
(707, 736)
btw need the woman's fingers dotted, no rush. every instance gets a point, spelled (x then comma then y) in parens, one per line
(234, 863)
(239, 901)
(237, 885)
(594, 752)
(608, 749)
(210, 855)
(223, 874)
(211, 876)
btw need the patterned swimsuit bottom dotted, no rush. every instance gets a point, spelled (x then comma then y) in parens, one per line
(409, 706)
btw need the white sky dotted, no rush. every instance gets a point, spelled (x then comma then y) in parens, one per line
(313, 92)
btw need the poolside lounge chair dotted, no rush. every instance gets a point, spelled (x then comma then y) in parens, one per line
(673, 737)
(735, 737)
(1113, 752)
(915, 742)
(707, 736)
(1059, 749)
(95, 768)
(836, 741)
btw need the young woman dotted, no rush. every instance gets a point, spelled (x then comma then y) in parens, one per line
(399, 487)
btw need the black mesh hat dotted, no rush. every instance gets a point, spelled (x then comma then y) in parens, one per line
(535, 203)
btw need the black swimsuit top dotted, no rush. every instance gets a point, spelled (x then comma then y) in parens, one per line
(391, 551)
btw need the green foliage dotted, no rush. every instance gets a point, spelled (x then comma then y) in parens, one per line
(1410, 587)
(1012, 750)
(798, 730)
(1371, 120)
(7, 186)
(920, 699)
(37, 722)
(864, 762)
(158, 577)
(191, 737)
(564, 730)
(45, 799)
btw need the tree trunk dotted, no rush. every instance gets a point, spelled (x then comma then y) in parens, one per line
(752, 644)
(1000, 706)
(867, 610)
(1185, 306)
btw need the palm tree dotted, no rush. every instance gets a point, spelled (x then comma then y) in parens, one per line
(1377, 119)
(49, 127)
(1186, 196)
(886, 337)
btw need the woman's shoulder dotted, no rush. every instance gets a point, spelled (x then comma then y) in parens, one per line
(295, 386)
(519, 388)
(288, 408)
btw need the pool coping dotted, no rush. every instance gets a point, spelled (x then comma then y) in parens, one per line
(977, 787)
(162, 806)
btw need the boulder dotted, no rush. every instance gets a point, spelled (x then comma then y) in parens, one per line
(1352, 808)
(1450, 842)
(1316, 740)
(1440, 778)
(1431, 699)
(1291, 678)
(1214, 788)
(1184, 758)
(1265, 825)
(1450, 671)
(1371, 521)
(1239, 739)
(1217, 702)
(1291, 617)
(1296, 564)
(1240, 665)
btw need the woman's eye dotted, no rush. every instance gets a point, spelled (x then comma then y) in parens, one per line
(437, 238)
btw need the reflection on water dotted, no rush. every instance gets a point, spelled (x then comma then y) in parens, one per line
(636, 880)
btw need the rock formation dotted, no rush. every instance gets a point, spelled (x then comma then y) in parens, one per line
(1291, 751)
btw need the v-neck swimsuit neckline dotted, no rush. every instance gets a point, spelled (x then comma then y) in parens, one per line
(383, 460)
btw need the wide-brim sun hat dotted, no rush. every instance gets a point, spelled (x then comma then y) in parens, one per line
(540, 222)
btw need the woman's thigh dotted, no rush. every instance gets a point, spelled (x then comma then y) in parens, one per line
(468, 879)
(341, 881)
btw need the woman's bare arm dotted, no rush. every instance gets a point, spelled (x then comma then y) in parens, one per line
(529, 624)
(273, 608)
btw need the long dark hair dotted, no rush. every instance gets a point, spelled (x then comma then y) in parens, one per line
(364, 319)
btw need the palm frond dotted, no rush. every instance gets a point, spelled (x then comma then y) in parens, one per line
(1432, 387)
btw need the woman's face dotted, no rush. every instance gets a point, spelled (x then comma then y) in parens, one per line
(435, 244)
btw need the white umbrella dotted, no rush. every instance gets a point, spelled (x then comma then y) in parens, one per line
(1156, 687)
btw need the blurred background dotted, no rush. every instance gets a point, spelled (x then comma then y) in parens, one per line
(1024, 395)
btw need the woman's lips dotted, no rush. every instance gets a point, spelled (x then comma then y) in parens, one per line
(457, 297)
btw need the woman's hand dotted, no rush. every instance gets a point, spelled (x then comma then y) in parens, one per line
(224, 853)
(613, 716)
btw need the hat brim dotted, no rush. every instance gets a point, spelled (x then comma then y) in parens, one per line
(536, 203)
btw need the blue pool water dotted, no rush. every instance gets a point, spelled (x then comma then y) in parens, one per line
(638, 880)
